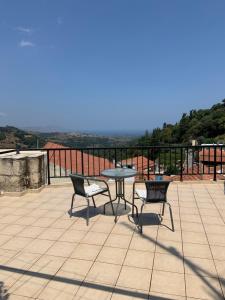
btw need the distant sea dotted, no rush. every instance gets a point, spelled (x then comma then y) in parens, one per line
(111, 132)
(132, 133)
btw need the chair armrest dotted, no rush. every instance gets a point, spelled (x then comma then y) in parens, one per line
(98, 180)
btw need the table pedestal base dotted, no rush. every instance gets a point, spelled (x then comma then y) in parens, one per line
(120, 195)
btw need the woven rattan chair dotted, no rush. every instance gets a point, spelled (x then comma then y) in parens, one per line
(155, 192)
(89, 190)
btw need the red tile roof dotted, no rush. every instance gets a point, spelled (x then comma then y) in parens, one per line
(139, 162)
(207, 155)
(71, 160)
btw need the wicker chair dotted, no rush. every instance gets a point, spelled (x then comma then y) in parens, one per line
(89, 190)
(155, 192)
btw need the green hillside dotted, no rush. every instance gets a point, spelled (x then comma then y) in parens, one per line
(11, 136)
(203, 125)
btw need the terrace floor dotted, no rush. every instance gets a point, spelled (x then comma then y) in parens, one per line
(45, 254)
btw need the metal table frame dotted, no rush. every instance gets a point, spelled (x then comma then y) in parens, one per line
(120, 187)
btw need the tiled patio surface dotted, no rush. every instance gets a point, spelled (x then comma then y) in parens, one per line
(45, 254)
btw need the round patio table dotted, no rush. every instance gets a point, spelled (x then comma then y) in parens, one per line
(119, 174)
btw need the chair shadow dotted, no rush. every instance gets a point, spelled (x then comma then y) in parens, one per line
(148, 219)
(99, 210)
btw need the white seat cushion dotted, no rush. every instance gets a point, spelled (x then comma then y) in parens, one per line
(93, 189)
(141, 193)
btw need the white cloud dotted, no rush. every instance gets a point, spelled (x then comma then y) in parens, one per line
(24, 43)
(59, 21)
(24, 29)
(2, 114)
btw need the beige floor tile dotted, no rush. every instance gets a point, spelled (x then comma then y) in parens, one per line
(168, 283)
(168, 262)
(95, 238)
(203, 287)
(31, 287)
(61, 249)
(81, 224)
(26, 220)
(17, 243)
(216, 239)
(93, 291)
(218, 252)
(197, 250)
(59, 290)
(212, 220)
(160, 296)
(166, 234)
(192, 226)
(85, 251)
(72, 236)
(194, 237)
(143, 243)
(115, 240)
(52, 234)
(39, 246)
(63, 224)
(13, 229)
(135, 278)
(4, 238)
(121, 228)
(98, 273)
(121, 293)
(215, 229)
(112, 255)
(10, 219)
(78, 267)
(191, 218)
(102, 227)
(31, 231)
(200, 267)
(139, 259)
(43, 222)
(220, 267)
(209, 212)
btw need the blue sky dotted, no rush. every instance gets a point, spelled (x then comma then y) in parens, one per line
(116, 64)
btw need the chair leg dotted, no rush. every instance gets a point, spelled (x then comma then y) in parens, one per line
(110, 198)
(140, 219)
(88, 205)
(171, 216)
(94, 202)
(71, 209)
(163, 209)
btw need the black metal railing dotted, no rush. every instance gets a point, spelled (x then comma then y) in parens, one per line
(180, 162)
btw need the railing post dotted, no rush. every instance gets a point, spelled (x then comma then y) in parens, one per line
(181, 164)
(82, 162)
(48, 167)
(214, 173)
(148, 164)
(115, 158)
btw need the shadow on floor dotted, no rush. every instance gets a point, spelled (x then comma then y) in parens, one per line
(200, 272)
(91, 285)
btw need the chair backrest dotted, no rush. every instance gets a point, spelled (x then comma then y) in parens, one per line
(156, 190)
(78, 184)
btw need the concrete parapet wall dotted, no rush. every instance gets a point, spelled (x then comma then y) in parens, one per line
(21, 172)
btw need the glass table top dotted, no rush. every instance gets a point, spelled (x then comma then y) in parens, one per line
(119, 173)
